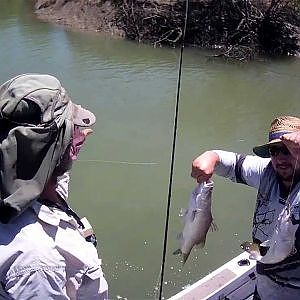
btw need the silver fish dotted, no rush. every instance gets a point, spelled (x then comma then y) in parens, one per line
(197, 220)
(252, 249)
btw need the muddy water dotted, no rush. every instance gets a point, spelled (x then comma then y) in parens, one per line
(121, 179)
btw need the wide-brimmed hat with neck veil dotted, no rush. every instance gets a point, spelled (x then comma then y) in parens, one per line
(37, 121)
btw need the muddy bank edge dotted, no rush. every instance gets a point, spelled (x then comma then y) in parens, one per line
(240, 29)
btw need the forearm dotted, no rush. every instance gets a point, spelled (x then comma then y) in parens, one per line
(226, 164)
(237, 167)
(214, 161)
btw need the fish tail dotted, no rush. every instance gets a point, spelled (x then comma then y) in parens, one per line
(184, 255)
(213, 226)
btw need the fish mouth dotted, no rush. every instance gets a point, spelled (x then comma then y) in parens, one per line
(253, 249)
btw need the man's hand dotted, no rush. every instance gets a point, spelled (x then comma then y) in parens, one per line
(292, 142)
(204, 165)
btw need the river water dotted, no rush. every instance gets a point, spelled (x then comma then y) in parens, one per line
(121, 179)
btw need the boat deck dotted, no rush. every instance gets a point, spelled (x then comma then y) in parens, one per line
(235, 280)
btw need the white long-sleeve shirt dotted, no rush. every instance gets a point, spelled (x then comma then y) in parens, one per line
(43, 255)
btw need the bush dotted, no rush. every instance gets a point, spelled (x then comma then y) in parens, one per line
(245, 26)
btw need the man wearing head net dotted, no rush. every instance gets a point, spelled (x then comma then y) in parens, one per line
(46, 250)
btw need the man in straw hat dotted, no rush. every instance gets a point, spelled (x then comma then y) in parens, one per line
(275, 173)
(46, 250)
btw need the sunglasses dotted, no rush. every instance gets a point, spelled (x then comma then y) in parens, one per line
(274, 151)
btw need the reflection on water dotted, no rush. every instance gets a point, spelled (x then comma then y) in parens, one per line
(121, 179)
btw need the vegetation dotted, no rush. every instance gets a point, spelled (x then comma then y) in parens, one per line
(241, 29)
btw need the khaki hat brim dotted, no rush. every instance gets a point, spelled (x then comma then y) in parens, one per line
(263, 150)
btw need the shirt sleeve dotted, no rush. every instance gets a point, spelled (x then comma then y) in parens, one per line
(94, 285)
(37, 284)
(241, 168)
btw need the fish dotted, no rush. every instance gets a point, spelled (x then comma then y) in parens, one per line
(197, 220)
(252, 249)
(281, 243)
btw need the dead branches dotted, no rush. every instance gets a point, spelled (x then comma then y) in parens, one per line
(242, 28)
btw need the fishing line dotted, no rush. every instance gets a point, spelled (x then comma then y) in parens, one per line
(119, 162)
(175, 123)
(287, 202)
(157, 284)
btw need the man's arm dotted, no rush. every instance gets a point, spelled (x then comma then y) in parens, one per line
(241, 168)
(38, 284)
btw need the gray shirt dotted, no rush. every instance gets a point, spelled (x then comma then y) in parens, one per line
(280, 280)
(44, 255)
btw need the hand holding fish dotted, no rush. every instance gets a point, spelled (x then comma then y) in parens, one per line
(204, 165)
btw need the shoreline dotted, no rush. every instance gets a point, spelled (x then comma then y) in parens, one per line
(85, 17)
(271, 31)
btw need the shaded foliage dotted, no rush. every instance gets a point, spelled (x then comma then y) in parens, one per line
(240, 28)
(158, 23)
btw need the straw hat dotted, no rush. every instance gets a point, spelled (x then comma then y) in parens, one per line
(279, 127)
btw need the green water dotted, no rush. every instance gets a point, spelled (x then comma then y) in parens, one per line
(121, 179)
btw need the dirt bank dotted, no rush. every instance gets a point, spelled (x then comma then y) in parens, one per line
(89, 15)
(240, 29)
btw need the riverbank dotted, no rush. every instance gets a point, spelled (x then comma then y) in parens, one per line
(91, 15)
(239, 29)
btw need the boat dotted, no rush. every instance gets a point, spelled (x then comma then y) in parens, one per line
(235, 280)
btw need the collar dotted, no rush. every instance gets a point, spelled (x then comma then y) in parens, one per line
(52, 215)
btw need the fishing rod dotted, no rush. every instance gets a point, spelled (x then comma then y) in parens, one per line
(175, 124)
